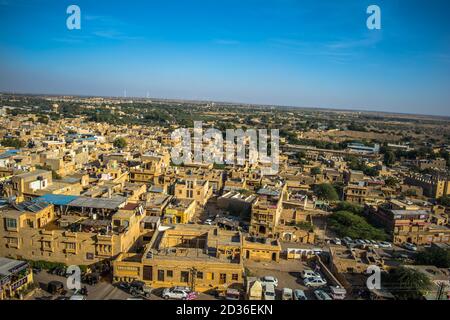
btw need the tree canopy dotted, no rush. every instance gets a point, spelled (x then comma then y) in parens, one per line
(348, 206)
(13, 143)
(348, 224)
(326, 191)
(445, 201)
(120, 143)
(407, 283)
(434, 256)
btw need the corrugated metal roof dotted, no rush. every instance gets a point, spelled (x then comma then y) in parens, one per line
(98, 203)
(57, 199)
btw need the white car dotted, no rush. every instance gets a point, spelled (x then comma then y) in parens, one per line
(384, 244)
(299, 295)
(208, 222)
(286, 294)
(314, 282)
(269, 292)
(410, 246)
(322, 295)
(337, 241)
(269, 280)
(178, 293)
(309, 274)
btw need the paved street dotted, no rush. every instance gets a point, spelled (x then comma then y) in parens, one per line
(101, 291)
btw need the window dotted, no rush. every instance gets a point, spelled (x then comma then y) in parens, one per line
(223, 278)
(11, 223)
(30, 223)
(169, 274)
(70, 246)
(148, 273)
(46, 244)
(234, 277)
(199, 275)
(12, 241)
(160, 275)
(184, 277)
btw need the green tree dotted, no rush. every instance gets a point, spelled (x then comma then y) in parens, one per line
(434, 256)
(391, 182)
(348, 206)
(326, 191)
(13, 143)
(43, 120)
(389, 158)
(445, 201)
(347, 224)
(120, 143)
(316, 171)
(407, 283)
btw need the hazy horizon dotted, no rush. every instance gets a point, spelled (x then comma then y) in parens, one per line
(306, 54)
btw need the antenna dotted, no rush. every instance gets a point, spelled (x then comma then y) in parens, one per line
(125, 93)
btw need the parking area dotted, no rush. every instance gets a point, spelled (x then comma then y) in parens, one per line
(103, 290)
(286, 271)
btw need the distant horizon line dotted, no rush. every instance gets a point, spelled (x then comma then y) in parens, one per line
(446, 117)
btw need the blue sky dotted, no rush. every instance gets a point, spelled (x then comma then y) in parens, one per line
(311, 53)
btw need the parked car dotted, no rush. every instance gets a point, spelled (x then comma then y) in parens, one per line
(322, 295)
(77, 297)
(139, 288)
(37, 270)
(337, 293)
(347, 240)
(384, 244)
(90, 278)
(286, 294)
(208, 222)
(178, 293)
(374, 243)
(269, 280)
(125, 286)
(56, 287)
(232, 294)
(59, 271)
(299, 295)
(336, 241)
(410, 246)
(269, 292)
(314, 282)
(309, 274)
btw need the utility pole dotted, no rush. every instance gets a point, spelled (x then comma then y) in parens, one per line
(440, 291)
(193, 277)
